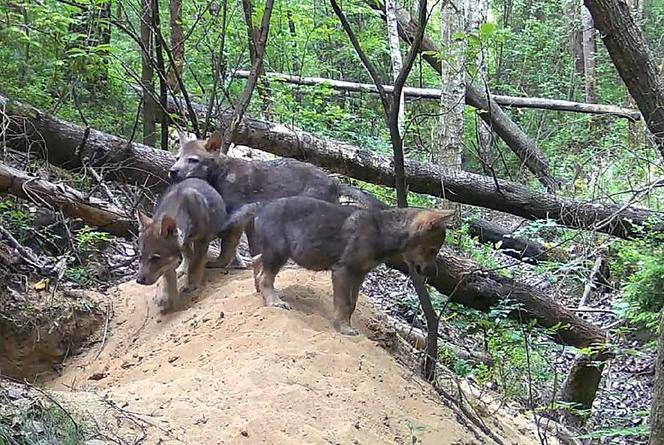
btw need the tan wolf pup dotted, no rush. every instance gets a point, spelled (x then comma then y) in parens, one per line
(187, 217)
(242, 182)
(349, 241)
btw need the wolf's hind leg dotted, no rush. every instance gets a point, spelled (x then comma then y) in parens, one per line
(229, 255)
(187, 253)
(346, 285)
(257, 266)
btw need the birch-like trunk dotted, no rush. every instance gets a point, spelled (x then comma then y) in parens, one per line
(477, 12)
(395, 55)
(452, 99)
(147, 74)
(589, 50)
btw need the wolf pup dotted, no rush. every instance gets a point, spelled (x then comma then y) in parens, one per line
(188, 216)
(347, 240)
(242, 182)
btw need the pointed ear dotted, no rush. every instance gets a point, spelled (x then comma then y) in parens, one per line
(431, 220)
(168, 227)
(143, 220)
(184, 137)
(213, 143)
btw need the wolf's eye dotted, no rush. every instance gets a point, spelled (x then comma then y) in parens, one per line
(155, 257)
(193, 160)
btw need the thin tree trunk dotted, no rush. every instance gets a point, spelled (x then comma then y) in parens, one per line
(589, 50)
(453, 90)
(395, 56)
(252, 36)
(657, 408)
(163, 87)
(576, 37)
(177, 45)
(633, 60)
(149, 104)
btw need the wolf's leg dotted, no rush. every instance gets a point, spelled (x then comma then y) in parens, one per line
(268, 271)
(252, 239)
(169, 298)
(196, 266)
(187, 252)
(344, 284)
(257, 266)
(229, 243)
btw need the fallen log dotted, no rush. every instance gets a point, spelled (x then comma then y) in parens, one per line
(519, 248)
(69, 201)
(70, 146)
(461, 279)
(476, 96)
(434, 94)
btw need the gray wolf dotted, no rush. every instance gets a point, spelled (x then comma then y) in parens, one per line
(187, 217)
(242, 182)
(347, 240)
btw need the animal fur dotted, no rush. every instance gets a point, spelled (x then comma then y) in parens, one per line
(242, 182)
(347, 240)
(189, 215)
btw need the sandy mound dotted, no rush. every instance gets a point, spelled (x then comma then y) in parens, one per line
(227, 370)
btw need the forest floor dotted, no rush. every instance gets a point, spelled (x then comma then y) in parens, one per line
(228, 370)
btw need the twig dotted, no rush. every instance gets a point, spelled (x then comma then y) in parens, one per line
(109, 307)
(25, 253)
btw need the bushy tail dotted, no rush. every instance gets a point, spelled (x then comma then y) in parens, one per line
(361, 198)
(242, 216)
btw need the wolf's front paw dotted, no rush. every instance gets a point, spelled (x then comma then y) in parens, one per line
(164, 303)
(281, 304)
(345, 329)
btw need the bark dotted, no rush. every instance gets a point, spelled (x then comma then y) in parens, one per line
(657, 407)
(576, 37)
(589, 49)
(450, 136)
(147, 74)
(435, 94)
(461, 279)
(633, 60)
(524, 148)
(177, 45)
(596, 280)
(520, 248)
(69, 201)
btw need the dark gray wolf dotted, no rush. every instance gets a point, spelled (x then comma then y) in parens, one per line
(347, 240)
(187, 217)
(242, 182)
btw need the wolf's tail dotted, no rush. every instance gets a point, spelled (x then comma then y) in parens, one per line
(361, 198)
(242, 216)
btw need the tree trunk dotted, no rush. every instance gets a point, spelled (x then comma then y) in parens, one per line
(453, 90)
(138, 163)
(576, 37)
(476, 14)
(520, 248)
(395, 56)
(163, 87)
(657, 408)
(435, 94)
(634, 61)
(69, 201)
(177, 45)
(525, 149)
(150, 109)
(464, 281)
(589, 49)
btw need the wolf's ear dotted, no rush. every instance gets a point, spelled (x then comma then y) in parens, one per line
(168, 227)
(184, 137)
(143, 220)
(214, 142)
(432, 220)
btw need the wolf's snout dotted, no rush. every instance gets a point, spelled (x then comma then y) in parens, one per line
(141, 279)
(173, 174)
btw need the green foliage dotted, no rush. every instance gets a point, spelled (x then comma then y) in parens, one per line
(39, 424)
(89, 240)
(16, 219)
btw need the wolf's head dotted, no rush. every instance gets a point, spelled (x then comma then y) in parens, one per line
(426, 234)
(195, 158)
(159, 249)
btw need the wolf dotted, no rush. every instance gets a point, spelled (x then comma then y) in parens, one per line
(347, 240)
(242, 182)
(187, 217)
